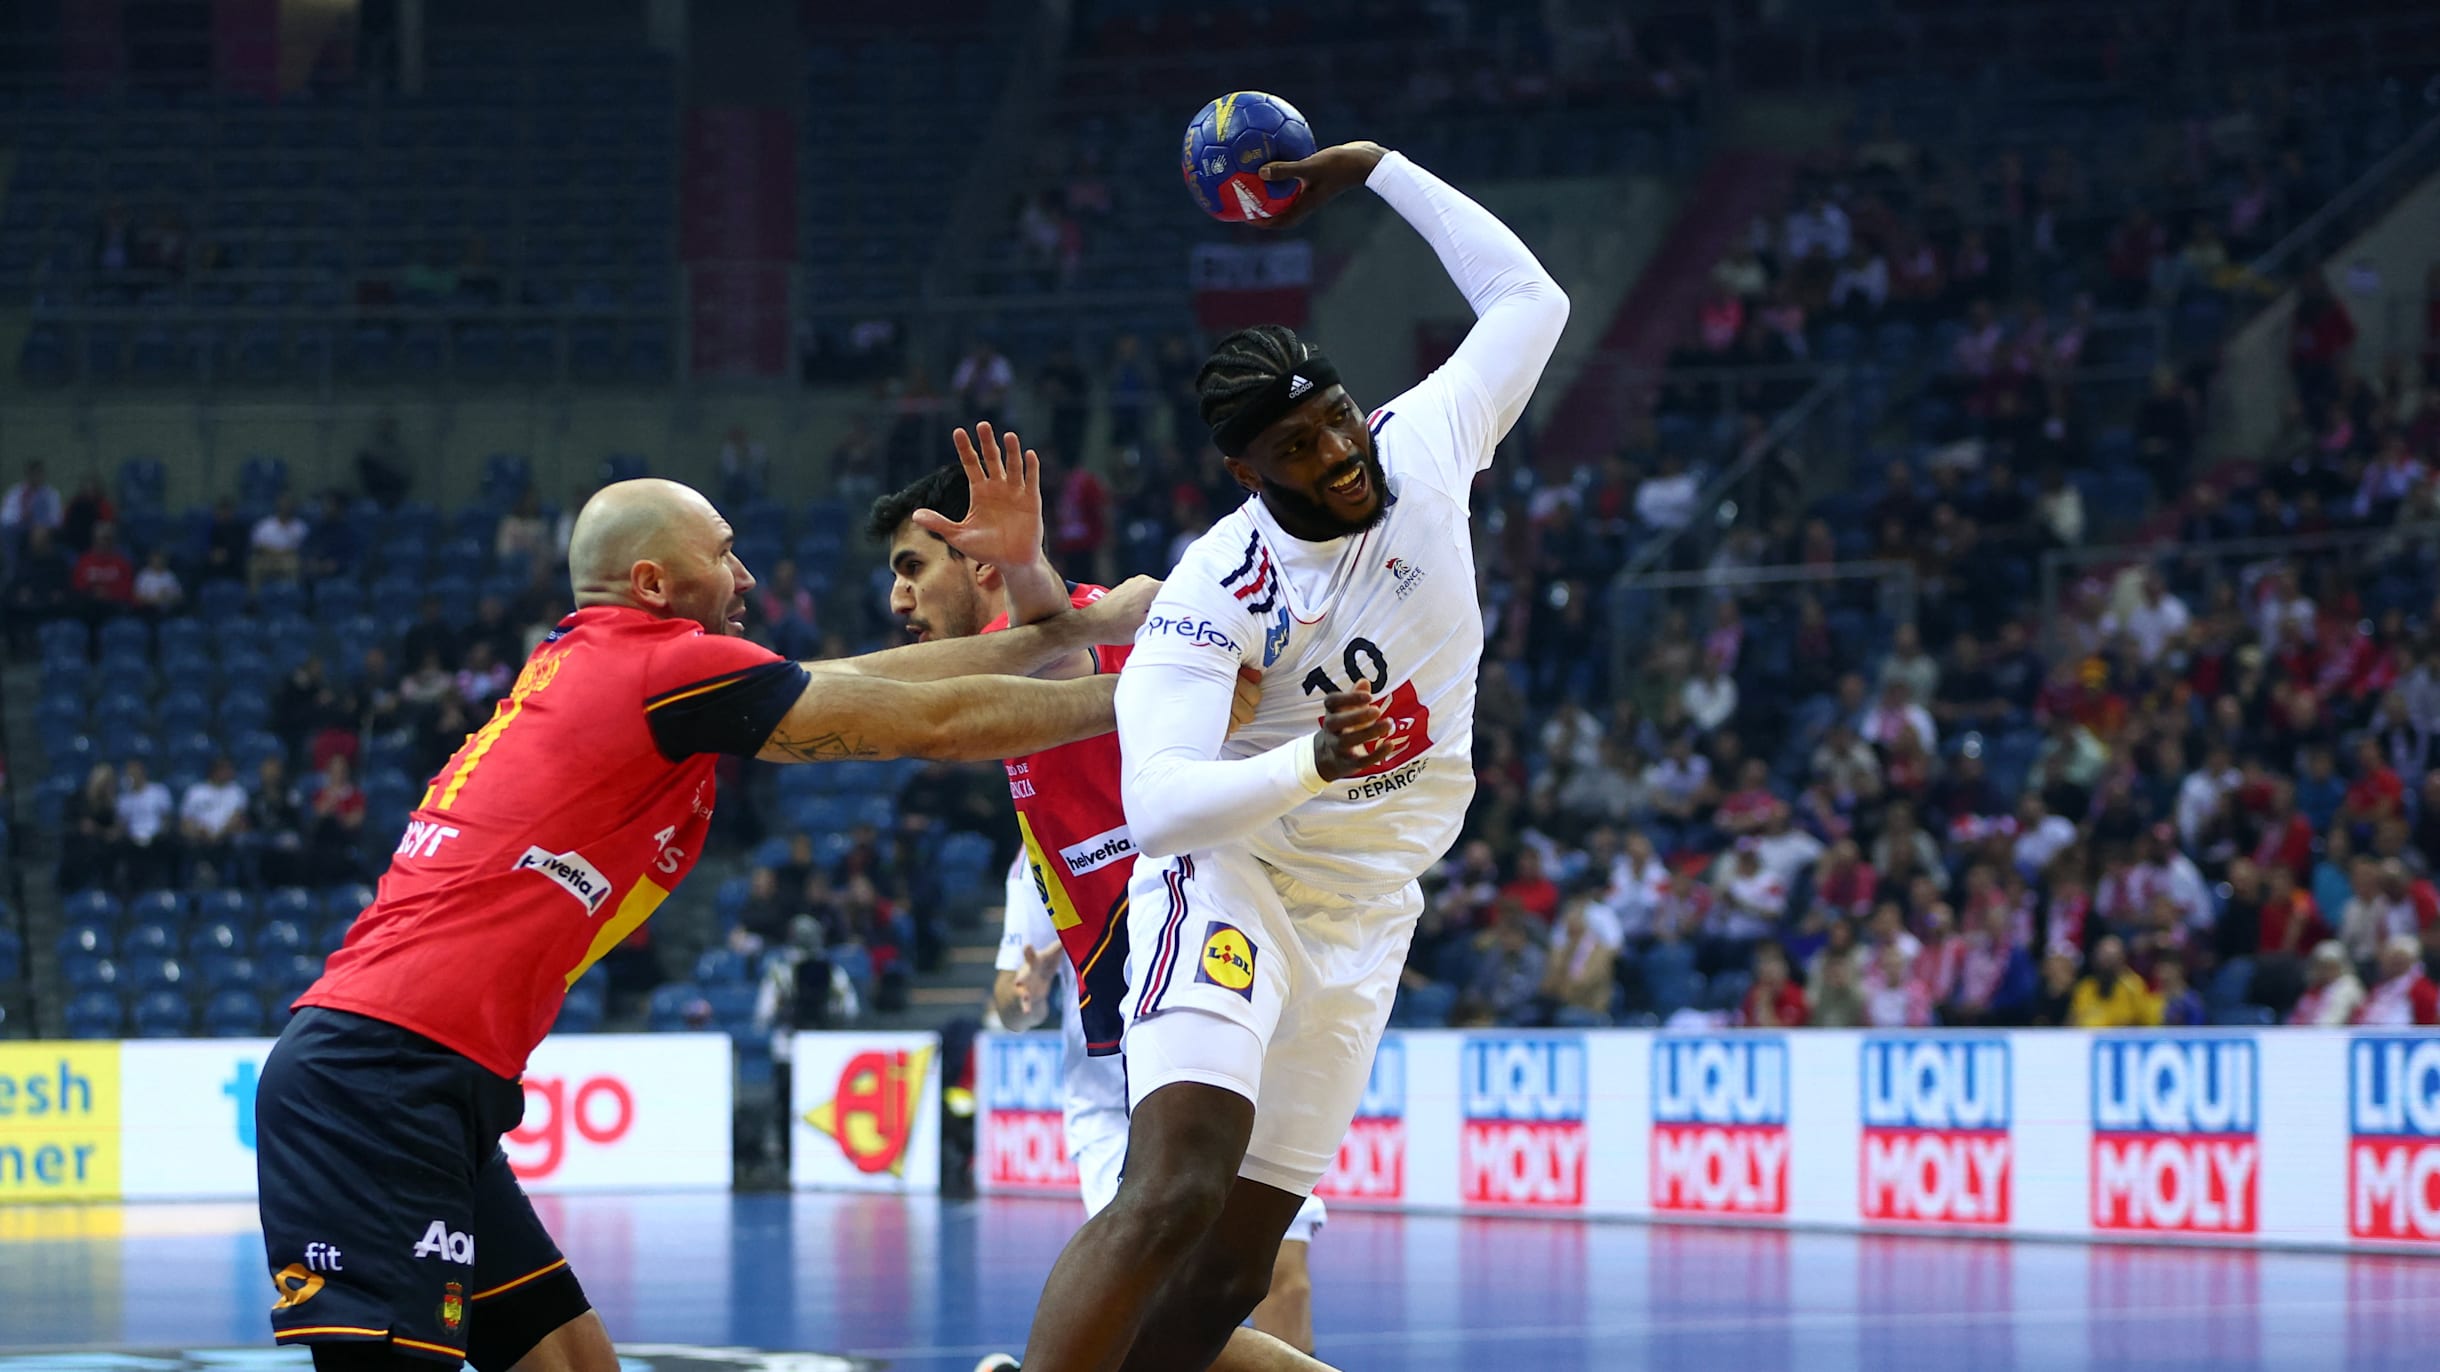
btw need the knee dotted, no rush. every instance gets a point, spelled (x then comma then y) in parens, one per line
(1238, 1283)
(1172, 1211)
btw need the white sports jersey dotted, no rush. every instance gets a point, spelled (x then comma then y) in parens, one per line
(1393, 607)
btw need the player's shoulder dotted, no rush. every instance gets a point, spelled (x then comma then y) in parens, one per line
(1224, 554)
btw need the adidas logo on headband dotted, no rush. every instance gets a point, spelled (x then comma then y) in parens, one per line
(1298, 386)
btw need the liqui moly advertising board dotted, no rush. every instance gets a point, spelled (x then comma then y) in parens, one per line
(1719, 1125)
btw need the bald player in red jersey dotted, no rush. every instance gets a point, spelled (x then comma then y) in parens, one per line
(396, 1234)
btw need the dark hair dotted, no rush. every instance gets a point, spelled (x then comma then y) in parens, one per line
(1242, 364)
(944, 491)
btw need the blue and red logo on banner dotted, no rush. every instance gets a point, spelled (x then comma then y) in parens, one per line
(1522, 1140)
(1371, 1165)
(1720, 1125)
(1026, 1147)
(2393, 1148)
(2175, 1149)
(1936, 1143)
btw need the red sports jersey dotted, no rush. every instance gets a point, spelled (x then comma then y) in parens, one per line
(1076, 843)
(555, 830)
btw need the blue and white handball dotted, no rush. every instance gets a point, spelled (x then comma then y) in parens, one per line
(1226, 146)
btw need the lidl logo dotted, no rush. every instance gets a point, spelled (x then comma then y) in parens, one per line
(2393, 1152)
(1227, 960)
(872, 1114)
(1720, 1125)
(1522, 1141)
(2174, 1148)
(1371, 1164)
(1936, 1143)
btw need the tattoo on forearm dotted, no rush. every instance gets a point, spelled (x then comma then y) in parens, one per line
(835, 746)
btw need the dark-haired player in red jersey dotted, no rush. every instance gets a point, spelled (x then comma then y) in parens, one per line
(952, 579)
(397, 1235)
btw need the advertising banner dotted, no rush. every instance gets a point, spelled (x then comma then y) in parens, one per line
(865, 1112)
(59, 1121)
(603, 1112)
(2276, 1138)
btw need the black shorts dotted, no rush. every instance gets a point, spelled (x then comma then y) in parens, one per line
(389, 1210)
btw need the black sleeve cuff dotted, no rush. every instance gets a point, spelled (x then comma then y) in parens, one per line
(732, 714)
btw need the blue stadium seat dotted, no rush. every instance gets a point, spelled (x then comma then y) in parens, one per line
(92, 907)
(346, 901)
(670, 1002)
(126, 635)
(252, 746)
(335, 600)
(63, 716)
(95, 1014)
(12, 950)
(221, 600)
(292, 903)
(63, 638)
(184, 635)
(333, 933)
(582, 1012)
(720, 967)
(164, 907)
(279, 599)
(150, 938)
(732, 1005)
(232, 1014)
(279, 938)
(152, 971)
(729, 898)
(285, 976)
(225, 906)
(163, 1014)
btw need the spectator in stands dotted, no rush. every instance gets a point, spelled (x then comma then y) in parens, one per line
(211, 816)
(382, 465)
(1579, 977)
(1507, 973)
(2181, 1006)
(2377, 792)
(745, 467)
(277, 544)
(1530, 889)
(2321, 335)
(784, 610)
(522, 537)
(147, 847)
(1894, 996)
(92, 835)
(1080, 523)
(337, 820)
(1774, 1001)
(1710, 698)
(226, 541)
(33, 503)
(158, 591)
(482, 679)
(431, 636)
(2332, 994)
(274, 828)
(1665, 501)
(2111, 996)
(981, 382)
(88, 509)
(103, 580)
(2401, 995)
(38, 588)
(1065, 393)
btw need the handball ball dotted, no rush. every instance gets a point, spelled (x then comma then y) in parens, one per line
(1226, 146)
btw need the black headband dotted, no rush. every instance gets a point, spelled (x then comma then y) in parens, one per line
(1284, 393)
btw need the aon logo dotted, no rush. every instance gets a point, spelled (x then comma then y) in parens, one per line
(440, 1241)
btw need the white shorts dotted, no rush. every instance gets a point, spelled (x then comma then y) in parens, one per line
(1097, 1144)
(1312, 973)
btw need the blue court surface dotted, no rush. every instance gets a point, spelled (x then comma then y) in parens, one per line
(929, 1286)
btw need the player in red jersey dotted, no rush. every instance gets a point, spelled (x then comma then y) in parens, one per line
(396, 1233)
(966, 557)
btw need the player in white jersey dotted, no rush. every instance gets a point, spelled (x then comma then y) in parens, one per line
(1275, 893)
(1094, 1092)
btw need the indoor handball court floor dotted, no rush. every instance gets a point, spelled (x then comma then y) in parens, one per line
(929, 1286)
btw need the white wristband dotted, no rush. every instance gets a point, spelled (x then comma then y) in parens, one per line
(1307, 772)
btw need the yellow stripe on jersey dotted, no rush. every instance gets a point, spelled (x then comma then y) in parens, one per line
(1047, 882)
(690, 692)
(637, 907)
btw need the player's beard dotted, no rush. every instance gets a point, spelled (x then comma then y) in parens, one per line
(1312, 519)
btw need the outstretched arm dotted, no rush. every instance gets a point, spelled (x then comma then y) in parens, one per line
(1015, 652)
(842, 716)
(1519, 309)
